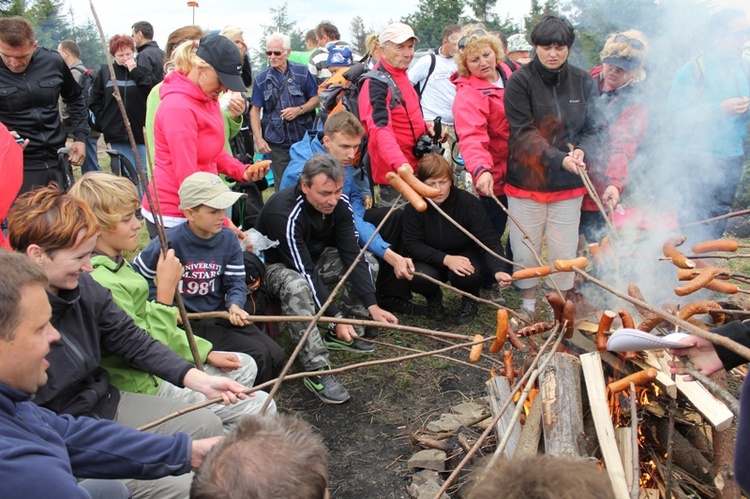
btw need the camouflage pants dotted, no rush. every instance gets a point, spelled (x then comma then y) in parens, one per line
(386, 196)
(296, 298)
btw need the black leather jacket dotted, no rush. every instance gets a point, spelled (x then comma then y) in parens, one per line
(29, 106)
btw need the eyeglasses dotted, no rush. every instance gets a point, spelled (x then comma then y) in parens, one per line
(277, 53)
(465, 40)
(636, 44)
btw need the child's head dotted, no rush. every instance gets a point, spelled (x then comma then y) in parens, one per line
(204, 199)
(114, 202)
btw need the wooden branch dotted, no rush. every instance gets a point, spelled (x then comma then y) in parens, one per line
(468, 295)
(336, 370)
(143, 179)
(498, 389)
(597, 201)
(715, 219)
(594, 375)
(636, 461)
(414, 350)
(712, 337)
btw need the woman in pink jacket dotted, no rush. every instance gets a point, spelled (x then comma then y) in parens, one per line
(189, 126)
(479, 114)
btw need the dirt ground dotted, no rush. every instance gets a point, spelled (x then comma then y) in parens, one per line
(368, 437)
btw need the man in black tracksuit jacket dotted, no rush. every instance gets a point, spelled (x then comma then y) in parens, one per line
(32, 79)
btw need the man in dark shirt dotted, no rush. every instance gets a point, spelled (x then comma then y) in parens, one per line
(150, 56)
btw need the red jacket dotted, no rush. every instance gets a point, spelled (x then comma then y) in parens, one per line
(11, 171)
(188, 138)
(391, 133)
(626, 122)
(481, 127)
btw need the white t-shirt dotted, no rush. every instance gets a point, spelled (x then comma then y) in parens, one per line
(439, 93)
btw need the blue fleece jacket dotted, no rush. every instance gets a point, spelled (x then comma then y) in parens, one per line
(304, 150)
(41, 453)
(700, 126)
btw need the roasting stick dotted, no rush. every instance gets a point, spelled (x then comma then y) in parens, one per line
(470, 235)
(715, 219)
(335, 370)
(635, 489)
(592, 192)
(521, 382)
(526, 240)
(712, 337)
(143, 179)
(322, 309)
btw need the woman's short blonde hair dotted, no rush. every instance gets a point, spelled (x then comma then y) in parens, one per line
(230, 31)
(476, 37)
(184, 58)
(623, 48)
(108, 196)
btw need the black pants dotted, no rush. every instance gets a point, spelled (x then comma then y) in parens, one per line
(388, 285)
(469, 284)
(266, 353)
(499, 220)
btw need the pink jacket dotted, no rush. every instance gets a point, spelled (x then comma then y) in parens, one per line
(481, 127)
(188, 138)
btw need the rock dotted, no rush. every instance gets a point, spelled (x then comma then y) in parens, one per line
(469, 411)
(446, 423)
(424, 476)
(430, 459)
(427, 490)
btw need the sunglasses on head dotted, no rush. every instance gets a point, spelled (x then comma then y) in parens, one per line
(636, 44)
(277, 53)
(465, 40)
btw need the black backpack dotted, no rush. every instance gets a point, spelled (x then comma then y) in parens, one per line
(89, 75)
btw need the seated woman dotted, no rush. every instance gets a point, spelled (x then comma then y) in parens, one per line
(441, 250)
(620, 81)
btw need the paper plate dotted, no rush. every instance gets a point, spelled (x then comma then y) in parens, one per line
(626, 340)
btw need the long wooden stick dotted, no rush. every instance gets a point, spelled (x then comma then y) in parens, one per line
(467, 295)
(715, 219)
(341, 320)
(597, 201)
(144, 182)
(307, 374)
(490, 428)
(635, 488)
(414, 350)
(712, 337)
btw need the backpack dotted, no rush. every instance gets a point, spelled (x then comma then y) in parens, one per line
(89, 76)
(341, 90)
(433, 60)
(698, 65)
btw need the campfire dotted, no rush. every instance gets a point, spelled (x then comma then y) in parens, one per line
(655, 434)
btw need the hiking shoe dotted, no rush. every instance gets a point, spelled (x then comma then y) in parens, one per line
(332, 342)
(468, 312)
(400, 305)
(493, 294)
(435, 308)
(327, 388)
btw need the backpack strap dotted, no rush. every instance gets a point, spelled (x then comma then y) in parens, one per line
(383, 76)
(433, 61)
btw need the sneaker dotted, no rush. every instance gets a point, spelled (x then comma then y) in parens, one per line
(327, 388)
(493, 294)
(435, 308)
(400, 305)
(467, 313)
(332, 342)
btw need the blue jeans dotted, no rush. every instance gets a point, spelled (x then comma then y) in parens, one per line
(91, 163)
(124, 149)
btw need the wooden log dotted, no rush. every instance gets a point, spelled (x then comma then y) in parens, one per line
(624, 439)
(562, 408)
(713, 410)
(580, 344)
(591, 363)
(684, 454)
(498, 390)
(528, 443)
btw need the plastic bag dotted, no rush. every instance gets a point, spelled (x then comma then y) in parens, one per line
(258, 241)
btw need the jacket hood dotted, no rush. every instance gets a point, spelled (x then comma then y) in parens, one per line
(177, 83)
(473, 81)
(312, 144)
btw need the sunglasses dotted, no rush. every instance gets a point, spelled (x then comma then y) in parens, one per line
(636, 44)
(465, 40)
(277, 53)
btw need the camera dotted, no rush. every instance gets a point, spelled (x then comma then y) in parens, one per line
(424, 146)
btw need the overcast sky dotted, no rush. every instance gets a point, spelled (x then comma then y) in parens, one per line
(168, 15)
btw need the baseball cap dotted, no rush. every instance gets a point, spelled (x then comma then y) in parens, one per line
(624, 63)
(518, 43)
(339, 56)
(225, 58)
(206, 188)
(396, 33)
